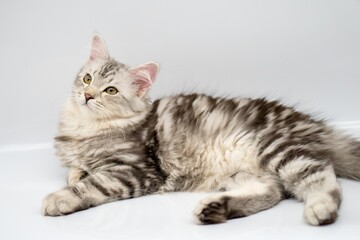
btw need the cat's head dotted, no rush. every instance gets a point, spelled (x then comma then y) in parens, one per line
(105, 88)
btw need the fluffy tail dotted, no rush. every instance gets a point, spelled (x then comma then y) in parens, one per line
(347, 156)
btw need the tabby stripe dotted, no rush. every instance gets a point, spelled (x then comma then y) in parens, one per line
(126, 183)
(75, 191)
(312, 169)
(302, 168)
(301, 152)
(137, 173)
(260, 120)
(139, 176)
(265, 160)
(98, 186)
(108, 74)
(211, 104)
(268, 140)
(134, 171)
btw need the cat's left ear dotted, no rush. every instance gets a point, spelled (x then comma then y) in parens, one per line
(144, 76)
(98, 49)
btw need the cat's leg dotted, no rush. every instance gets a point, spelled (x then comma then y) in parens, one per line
(75, 175)
(314, 182)
(99, 188)
(243, 194)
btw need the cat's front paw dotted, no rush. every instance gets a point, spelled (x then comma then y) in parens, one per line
(60, 203)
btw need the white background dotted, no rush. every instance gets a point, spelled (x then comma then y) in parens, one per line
(303, 52)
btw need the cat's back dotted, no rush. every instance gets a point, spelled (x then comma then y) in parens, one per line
(184, 117)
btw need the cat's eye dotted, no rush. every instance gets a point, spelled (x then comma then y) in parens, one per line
(111, 90)
(87, 79)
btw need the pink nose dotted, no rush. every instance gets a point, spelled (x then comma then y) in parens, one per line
(88, 97)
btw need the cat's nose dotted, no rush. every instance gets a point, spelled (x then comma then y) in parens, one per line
(88, 97)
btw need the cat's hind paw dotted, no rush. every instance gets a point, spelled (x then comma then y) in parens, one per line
(321, 212)
(211, 210)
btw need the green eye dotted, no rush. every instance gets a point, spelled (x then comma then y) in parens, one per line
(111, 90)
(87, 79)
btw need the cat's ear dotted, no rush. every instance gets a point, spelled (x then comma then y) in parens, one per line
(144, 76)
(98, 49)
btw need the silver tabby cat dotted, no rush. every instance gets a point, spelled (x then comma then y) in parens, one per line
(252, 152)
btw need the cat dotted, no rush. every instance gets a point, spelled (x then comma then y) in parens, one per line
(252, 153)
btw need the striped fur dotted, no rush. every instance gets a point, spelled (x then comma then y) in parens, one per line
(254, 152)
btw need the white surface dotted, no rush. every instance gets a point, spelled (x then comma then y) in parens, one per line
(305, 52)
(27, 176)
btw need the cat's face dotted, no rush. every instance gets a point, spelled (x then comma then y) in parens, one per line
(105, 88)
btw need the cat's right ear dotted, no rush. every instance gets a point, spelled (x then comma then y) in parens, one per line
(98, 49)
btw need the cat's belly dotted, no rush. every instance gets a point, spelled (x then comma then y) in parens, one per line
(203, 164)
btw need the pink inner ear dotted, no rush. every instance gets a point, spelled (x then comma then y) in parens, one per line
(98, 49)
(144, 76)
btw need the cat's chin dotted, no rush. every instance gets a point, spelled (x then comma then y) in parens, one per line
(87, 110)
(92, 113)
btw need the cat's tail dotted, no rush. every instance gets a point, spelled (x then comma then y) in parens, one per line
(347, 156)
